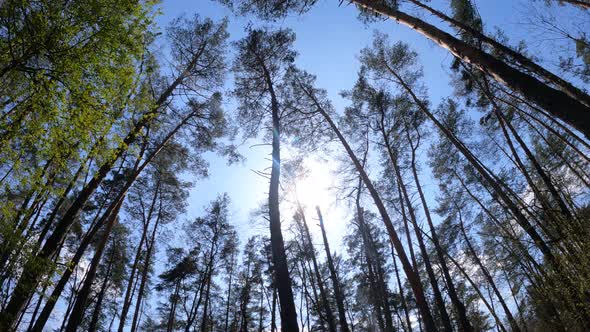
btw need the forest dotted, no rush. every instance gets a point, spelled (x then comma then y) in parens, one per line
(444, 187)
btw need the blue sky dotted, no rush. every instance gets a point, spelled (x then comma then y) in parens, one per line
(329, 39)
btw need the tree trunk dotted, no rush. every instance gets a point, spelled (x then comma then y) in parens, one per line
(554, 101)
(413, 277)
(324, 297)
(172, 316)
(33, 271)
(584, 4)
(288, 312)
(205, 319)
(227, 308)
(489, 178)
(401, 290)
(130, 285)
(97, 308)
(484, 270)
(80, 304)
(529, 64)
(88, 238)
(146, 266)
(457, 303)
(333, 276)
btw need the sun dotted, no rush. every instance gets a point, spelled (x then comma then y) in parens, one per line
(313, 188)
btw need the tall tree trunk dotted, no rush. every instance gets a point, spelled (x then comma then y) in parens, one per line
(288, 312)
(554, 101)
(80, 304)
(172, 315)
(475, 287)
(489, 178)
(324, 297)
(404, 197)
(103, 288)
(529, 64)
(130, 285)
(244, 300)
(128, 299)
(584, 4)
(227, 308)
(413, 277)
(334, 277)
(401, 290)
(146, 267)
(370, 256)
(205, 319)
(33, 271)
(486, 273)
(273, 316)
(457, 303)
(197, 301)
(46, 312)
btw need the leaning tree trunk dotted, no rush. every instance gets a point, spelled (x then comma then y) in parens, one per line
(103, 288)
(401, 290)
(49, 305)
(556, 102)
(37, 267)
(584, 4)
(335, 282)
(413, 277)
(457, 303)
(529, 64)
(489, 178)
(80, 304)
(146, 265)
(488, 276)
(404, 197)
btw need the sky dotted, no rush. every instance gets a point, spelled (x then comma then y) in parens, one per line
(329, 39)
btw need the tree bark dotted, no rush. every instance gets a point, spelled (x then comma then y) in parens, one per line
(529, 64)
(554, 101)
